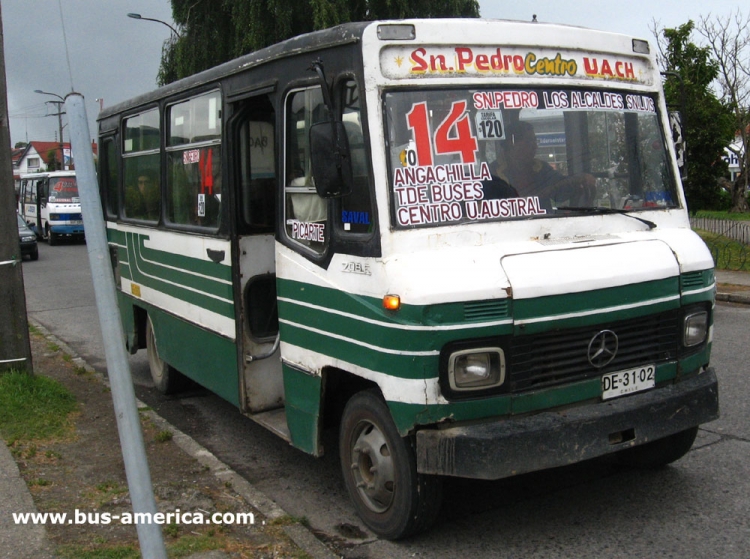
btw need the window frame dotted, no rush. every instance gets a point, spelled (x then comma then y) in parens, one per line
(314, 255)
(170, 149)
(125, 155)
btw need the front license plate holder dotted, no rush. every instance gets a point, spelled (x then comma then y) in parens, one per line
(629, 381)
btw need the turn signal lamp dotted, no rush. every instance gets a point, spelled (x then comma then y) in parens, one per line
(392, 302)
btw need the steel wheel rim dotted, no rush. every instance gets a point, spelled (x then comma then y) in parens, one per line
(372, 467)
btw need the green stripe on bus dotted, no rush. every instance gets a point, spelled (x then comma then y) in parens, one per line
(407, 416)
(178, 284)
(572, 310)
(207, 268)
(404, 352)
(396, 365)
(115, 236)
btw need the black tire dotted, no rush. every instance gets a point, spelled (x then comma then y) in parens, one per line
(167, 379)
(380, 471)
(52, 239)
(34, 255)
(659, 453)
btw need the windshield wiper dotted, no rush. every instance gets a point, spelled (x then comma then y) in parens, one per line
(603, 210)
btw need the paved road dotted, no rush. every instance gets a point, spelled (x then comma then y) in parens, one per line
(698, 508)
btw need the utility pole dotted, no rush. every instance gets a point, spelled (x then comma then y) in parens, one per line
(15, 347)
(59, 123)
(58, 114)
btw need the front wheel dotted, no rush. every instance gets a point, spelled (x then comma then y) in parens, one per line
(167, 379)
(661, 452)
(380, 471)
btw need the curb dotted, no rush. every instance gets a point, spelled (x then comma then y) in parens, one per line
(740, 298)
(299, 534)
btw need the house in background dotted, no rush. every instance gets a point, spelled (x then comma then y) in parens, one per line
(37, 157)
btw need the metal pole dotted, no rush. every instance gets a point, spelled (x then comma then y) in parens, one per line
(62, 142)
(123, 395)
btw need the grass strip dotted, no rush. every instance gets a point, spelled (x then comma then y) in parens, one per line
(33, 408)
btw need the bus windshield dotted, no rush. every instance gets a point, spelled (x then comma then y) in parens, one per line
(475, 155)
(63, 190)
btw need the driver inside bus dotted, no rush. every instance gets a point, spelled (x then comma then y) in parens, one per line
(518, 166)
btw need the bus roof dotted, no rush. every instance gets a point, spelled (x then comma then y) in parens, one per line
(309, 42)
(347, 33)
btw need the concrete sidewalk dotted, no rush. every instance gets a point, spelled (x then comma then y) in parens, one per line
(18, 541)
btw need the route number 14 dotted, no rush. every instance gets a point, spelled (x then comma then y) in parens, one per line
(453, 135)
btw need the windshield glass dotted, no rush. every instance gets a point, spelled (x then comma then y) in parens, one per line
(63, 189)
(21, 222)
(463, 156)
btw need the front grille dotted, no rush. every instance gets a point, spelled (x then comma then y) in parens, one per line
(561, 356)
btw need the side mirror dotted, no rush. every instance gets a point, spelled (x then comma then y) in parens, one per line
(331, 163)
(678, 138)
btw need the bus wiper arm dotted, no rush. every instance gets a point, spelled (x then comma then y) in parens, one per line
(602, 210)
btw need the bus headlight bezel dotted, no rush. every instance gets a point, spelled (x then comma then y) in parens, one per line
(695, 328)
(474, 369)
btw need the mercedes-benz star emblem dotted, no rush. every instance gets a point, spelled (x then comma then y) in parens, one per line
(603, 348)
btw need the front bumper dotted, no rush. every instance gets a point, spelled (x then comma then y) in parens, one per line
(518, 445)
(73, 230)
(29, 248)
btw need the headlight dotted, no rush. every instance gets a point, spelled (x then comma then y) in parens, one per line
(27, 238)
(696, 327)
(472, 369)
(54, 217)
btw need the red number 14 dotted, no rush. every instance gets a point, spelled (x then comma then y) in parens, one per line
(462, 141)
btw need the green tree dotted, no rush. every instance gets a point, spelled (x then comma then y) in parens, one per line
(53, 158)
(212, 32)
(707, 121)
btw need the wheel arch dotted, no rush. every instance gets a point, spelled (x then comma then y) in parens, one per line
(338, 388)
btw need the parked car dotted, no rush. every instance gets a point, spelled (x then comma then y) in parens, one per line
(27, 238)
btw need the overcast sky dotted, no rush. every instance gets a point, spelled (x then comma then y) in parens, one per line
(114, 57)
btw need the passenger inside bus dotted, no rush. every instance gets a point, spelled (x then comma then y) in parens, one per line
(517, 165)
(142, 199)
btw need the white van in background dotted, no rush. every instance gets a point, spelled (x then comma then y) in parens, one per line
(50, 204)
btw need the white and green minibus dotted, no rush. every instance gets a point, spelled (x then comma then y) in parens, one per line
(462, 243)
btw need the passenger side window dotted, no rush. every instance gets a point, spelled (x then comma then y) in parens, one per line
(141, 166)
(108, 174)
(194, 162)
(305, 213)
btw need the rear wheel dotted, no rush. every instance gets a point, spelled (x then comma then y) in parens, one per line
(167, 379)
(659, 453)
(380, 471)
